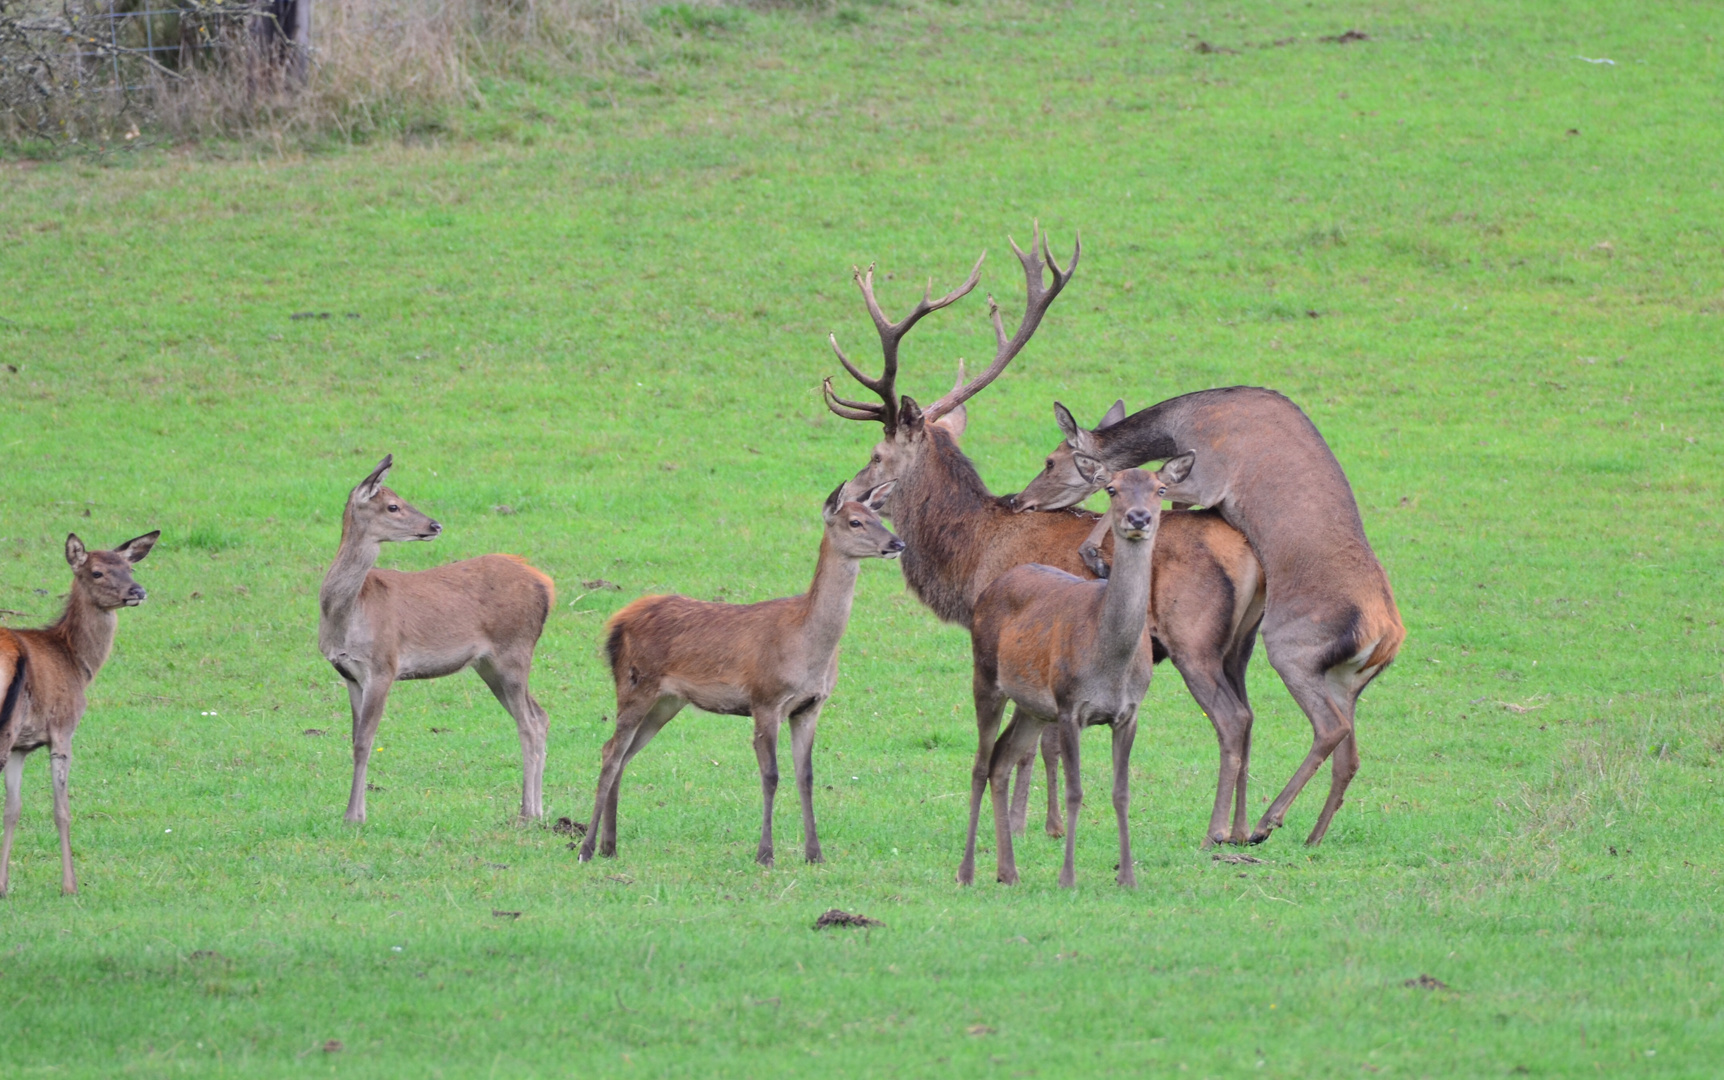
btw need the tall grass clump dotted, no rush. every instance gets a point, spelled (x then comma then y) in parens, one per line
(372, 66)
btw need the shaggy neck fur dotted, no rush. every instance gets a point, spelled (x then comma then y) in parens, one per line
(941, 509)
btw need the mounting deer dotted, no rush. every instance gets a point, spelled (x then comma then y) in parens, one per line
(382, 626)
(1207, 594)
(43, 675)
(773, 661)
(1071, 653)
(1330, 625)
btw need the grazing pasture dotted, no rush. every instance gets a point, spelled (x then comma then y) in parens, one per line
(589, 319)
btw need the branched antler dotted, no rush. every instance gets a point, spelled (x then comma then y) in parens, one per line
(1038, 298)
(891, 333)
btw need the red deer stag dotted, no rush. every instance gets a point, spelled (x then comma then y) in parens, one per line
(1071, 653)
(1330, 625)
(1208, 592)
(43, 675)
(774, 660)
(380, 626)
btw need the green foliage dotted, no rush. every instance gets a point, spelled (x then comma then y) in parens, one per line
(618, 332)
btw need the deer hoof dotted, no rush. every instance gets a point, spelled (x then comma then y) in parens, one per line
(764, 858)
(1127, 879)
(815, 856)
(1007, 877)
(1057, 832)
(966, 875)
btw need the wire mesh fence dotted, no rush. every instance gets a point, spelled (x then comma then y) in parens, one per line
(83, 69)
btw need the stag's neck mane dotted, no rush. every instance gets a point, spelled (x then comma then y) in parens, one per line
(943, 511)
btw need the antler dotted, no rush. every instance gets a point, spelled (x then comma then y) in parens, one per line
(891, 333)
(1038, 299)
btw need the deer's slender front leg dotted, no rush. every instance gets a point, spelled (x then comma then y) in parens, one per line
(802, 725)
(990, 706)
(1124, 732)
(371, 699)
(60, 763)
(14, 803)
(1074, 795)
(1051, 761)
(766, 721)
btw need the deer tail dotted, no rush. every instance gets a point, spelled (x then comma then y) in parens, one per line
(14, 682)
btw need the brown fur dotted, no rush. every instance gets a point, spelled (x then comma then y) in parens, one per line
(45, 673)
(775, 660)
(381, 626)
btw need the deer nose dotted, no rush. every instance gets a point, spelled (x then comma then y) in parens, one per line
(1020, 504)
(436, 528)
(136, 594)
(1138, 519)
(895, 545)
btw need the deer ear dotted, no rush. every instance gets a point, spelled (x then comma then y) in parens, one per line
(1177, 469)
(833, 502)
(76, 556)
(1068, 424)
(1092, 470)
(371, 485)
(955, 421)
(875, 500)
(909, 413)
(1114, 415)
(138, 546)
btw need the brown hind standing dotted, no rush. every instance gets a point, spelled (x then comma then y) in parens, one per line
(1207, 595)
(43, 675)
(1330, 624)
(381, 626)
(774, 660)
(1070, 653)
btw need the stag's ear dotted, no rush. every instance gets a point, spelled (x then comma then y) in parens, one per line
(371, 485)
(1114, 415)
(833, 501)
(75, 553)
(909, 413)
(875, 500)
(1177, 469)
(1094, 473)
(954, 422)
(138, 546)
(1068, 424)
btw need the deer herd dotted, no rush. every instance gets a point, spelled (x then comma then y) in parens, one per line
(1068, 611)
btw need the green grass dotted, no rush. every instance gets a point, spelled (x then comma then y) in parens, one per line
(604, 307)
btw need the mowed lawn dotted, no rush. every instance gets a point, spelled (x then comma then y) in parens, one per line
(589, 319)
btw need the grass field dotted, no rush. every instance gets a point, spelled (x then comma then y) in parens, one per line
(589, 320)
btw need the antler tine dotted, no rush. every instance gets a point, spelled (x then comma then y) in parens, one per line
(891, 333)
(849, 410)
(1037, 299)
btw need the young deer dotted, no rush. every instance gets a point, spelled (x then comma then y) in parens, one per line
(1073, 653)
(379, 626)
(1208, 592)
(43, 674)
(1330, 624)
(773, 660)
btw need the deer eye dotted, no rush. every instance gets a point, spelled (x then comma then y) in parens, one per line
(95, 573)
(1050, 467)
(1111, 491)
(1161, 491)
(855, 523)
(393, 508)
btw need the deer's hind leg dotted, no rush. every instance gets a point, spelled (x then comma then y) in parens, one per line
(508, 681)
(1021, 785)
(990, 706)
(1329, 706)
(1019, 739)
(639, 718)
(14, 804)
(802, 724)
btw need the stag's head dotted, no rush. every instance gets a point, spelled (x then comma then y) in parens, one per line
(907, 426)
(854, 526)
(106, 576)
(378, 514)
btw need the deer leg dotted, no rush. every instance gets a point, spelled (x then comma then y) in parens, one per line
(1018, 740)
(14, 803)
(1331, 725)
(1090, 550)
(1231, 719)
(370, 701)
(802, 725)
(1234, 667)
(1051, 761)
(637, 722)
(990, 706)
(60, 764)
(1021, 786)
(1074, 795)
(766, 721)
(1124, 733)
(509, 685)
